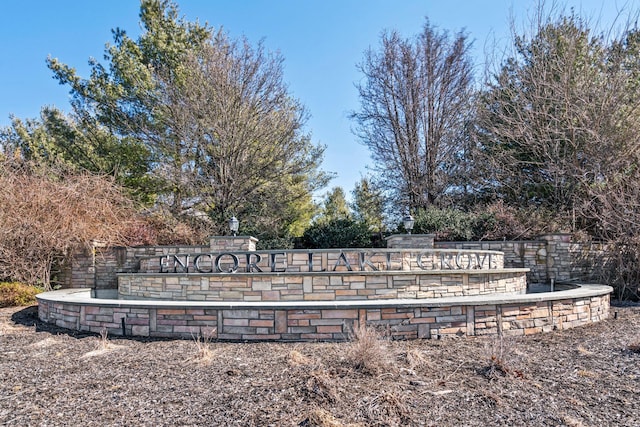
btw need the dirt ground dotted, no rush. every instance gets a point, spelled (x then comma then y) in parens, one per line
(588, 376)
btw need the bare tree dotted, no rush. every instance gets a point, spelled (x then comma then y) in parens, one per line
(243, 150)
(415, 101)
(558, 121)
(559, 130)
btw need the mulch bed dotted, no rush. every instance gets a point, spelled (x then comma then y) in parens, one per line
(587, 376)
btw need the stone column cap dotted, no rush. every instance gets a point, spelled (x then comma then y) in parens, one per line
(410, 235)
(251, 238)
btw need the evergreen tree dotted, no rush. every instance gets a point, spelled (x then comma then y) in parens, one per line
(368, 205)
(223, 134)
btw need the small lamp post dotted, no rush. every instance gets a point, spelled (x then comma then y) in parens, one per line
(408, 222)
(234, 224)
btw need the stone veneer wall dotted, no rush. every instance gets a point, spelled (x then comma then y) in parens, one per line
(232, 243)
(100, 274)
(517, 254)
(327, 323)
(424, 241)
(97, 268)
(553, 256)
(328, 286)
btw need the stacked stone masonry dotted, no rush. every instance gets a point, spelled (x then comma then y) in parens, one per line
(326, 275)
(318, 286)
(228, 291)
(232, 243)
(552, 256)
(327, 323)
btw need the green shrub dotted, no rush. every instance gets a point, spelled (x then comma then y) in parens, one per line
(337, 233)
(14, 294)
(274, 242)
(448, 224)
(495, 221)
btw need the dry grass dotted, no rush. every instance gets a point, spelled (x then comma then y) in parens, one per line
(572, 422)
(583, 351)
(204, 354)
(45, 343)
(103, 345)
(103, 341)
(368, 351)
(388, 406)
(417, 359)
(295, 358)
(321, 387)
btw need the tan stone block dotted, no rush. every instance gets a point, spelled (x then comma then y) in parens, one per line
(320, 281)
(335, 281)
(270, 296)
(281, 321)
(328, 328)
(315, 314)
(164, 312)
(140, 330)
(317, 296)
(344, 292)
(235, 322)
(261, 323)
(340, 314)
(373, 315)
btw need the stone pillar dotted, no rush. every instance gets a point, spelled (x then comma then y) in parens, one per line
(232, 243)
(410, 241)
(558, 256)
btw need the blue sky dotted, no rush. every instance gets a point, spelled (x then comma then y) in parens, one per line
(320, 40)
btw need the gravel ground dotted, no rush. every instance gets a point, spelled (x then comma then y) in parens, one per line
(587, 376)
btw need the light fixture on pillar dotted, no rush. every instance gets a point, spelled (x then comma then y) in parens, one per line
(408, 222)
(234, 224)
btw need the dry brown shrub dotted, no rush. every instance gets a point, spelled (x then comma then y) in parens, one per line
(320, 386)
(387, 406)
(161, 228)
(500, 361)
(634, 347)
(417, 359)
(368, 351)
(45, 216)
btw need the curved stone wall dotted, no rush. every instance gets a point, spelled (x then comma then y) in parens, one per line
(330, 320)
(320, 286)
(320, 275)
